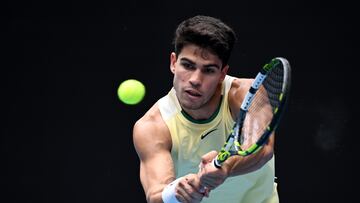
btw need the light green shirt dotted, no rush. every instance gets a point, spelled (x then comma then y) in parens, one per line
(188, 148)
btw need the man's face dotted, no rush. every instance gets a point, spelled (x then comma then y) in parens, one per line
(197, 74)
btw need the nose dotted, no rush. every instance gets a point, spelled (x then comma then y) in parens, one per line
(196, 78)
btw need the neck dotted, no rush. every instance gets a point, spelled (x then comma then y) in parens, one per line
(200, 119)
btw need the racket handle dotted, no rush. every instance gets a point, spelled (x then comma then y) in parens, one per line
(217, 163)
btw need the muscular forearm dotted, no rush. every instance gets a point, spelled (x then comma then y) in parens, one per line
(238, 165)
(153, 195)
(153, 188)
(183, 189)
(153, 183)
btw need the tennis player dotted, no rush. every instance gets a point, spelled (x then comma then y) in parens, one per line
(183, 129)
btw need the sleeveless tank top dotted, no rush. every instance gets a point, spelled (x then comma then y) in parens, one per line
(191, 139)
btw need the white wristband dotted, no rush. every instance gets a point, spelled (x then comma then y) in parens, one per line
(168, 194)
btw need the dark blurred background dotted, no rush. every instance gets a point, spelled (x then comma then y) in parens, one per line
(65, 137)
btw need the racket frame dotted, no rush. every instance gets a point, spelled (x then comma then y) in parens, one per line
(232, 145)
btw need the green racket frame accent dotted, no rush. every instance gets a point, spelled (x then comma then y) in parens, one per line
(232, 146)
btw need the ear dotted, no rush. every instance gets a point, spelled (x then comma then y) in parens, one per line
(172, 62)
(224, 72)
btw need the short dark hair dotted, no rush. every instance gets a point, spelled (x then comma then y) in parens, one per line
(206, 32)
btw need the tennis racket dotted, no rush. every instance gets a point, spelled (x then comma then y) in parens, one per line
(260, 111)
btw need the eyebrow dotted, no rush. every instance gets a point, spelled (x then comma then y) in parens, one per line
(184, 59)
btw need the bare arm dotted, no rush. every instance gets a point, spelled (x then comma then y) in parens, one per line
(153, 148)
(212, 177)
(153, 144)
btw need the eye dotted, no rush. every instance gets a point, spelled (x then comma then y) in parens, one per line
(209, 70)
(187, 65)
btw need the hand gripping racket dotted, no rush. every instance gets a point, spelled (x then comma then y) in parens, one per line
(260, 111)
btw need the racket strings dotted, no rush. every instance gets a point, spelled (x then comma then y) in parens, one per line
(274, 86)
(262, 109)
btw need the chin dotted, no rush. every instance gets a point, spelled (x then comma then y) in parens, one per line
(190, 105)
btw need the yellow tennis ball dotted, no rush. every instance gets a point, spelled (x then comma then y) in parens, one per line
(131, 91)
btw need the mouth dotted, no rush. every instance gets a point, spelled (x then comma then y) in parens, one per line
(193, 93)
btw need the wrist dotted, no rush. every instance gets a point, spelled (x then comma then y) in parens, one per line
(168, 193)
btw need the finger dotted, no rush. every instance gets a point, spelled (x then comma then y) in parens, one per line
(187, 192)
(194, 183)
(208, 157)
(207, 185)
(201, 169)
(181, 191)
(209, 182)
(202, 190)
(207, 192)
(194, 189)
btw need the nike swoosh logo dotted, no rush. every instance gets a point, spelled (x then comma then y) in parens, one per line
(206, 134)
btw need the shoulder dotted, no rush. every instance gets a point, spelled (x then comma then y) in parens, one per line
(237, 92)
(150, 131)
(241, 85)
